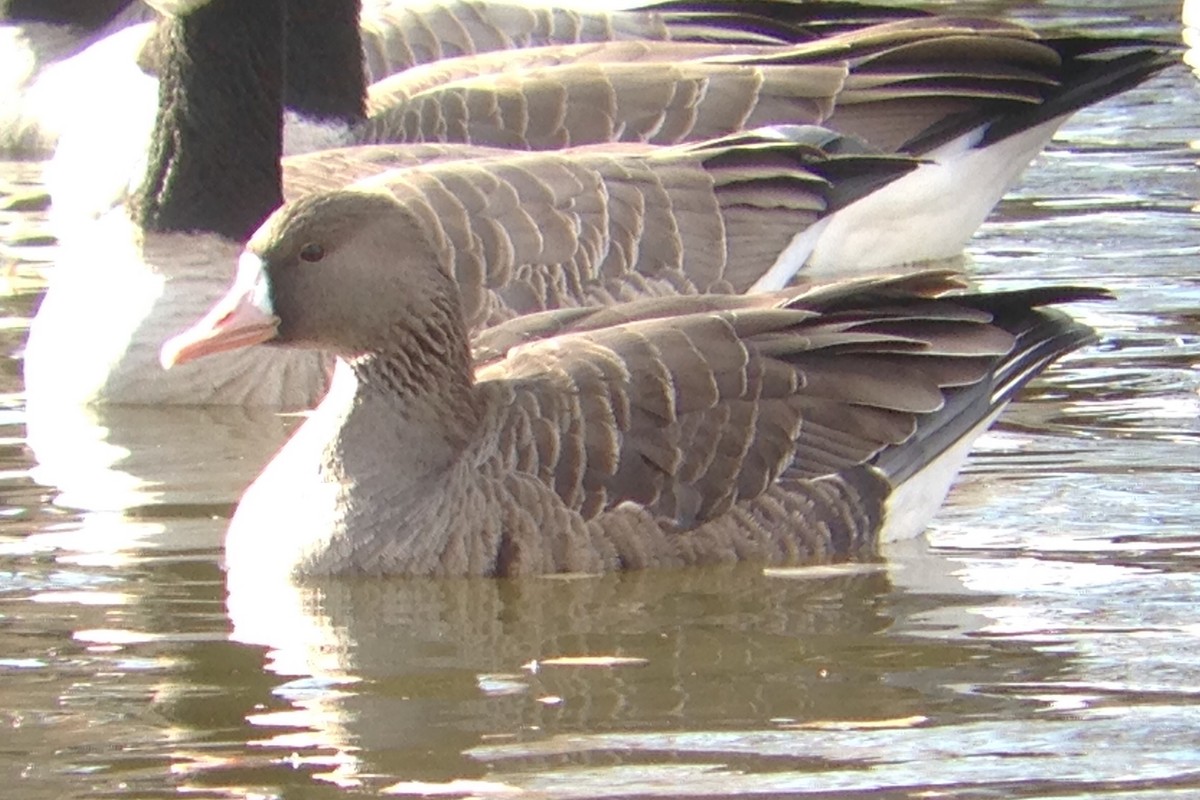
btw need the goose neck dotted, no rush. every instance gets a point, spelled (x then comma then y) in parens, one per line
(325, 77)
(423, 372)
(213, 162)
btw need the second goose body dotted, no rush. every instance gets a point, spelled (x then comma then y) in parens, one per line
(214, 173)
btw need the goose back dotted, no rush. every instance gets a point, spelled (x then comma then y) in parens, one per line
(907, 85)
(400, 35)
(594, 227)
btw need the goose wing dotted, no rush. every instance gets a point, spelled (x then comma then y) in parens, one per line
(688, 414)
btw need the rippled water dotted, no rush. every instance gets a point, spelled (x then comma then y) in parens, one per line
(1039, 642)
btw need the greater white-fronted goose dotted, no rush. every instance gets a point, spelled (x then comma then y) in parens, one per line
(131, 282)
(777, 427)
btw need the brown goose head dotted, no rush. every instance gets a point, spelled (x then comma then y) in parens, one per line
(348, 272)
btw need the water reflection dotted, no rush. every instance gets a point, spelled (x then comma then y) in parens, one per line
(981, 759)
(437, 679)
(825, 679)
(1040, 641)
(146, 478)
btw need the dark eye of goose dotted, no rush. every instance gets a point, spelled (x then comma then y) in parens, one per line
(312, 252)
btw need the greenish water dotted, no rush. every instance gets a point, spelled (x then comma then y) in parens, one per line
(1039, 642)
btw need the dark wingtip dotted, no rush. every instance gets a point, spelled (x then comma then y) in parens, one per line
(770, 20)
(1036, 297)
(1041, 337)
(1086, 81)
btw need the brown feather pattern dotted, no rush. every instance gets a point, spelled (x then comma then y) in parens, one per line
(889, 84)
(687, 419)
(399, 36)
(550, 230)
(666, 431)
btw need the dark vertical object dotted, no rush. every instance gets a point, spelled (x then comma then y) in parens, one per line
(324, 74)
(214, 157)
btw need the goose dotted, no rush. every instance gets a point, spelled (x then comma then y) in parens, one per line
(976, 99)
(782, 427)
(160, 271)
(41, 47)
(979, 110)
(333, 53)
(140, 271)
(979, 100)
(398, 35)
(1190, 17)
(45, 80)
(213, 173)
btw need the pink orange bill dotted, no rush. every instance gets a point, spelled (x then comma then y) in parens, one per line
(241, 318)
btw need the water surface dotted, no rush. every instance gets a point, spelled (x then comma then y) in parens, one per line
(1039, 642)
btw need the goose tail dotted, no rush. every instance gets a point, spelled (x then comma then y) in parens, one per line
(922, 469)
